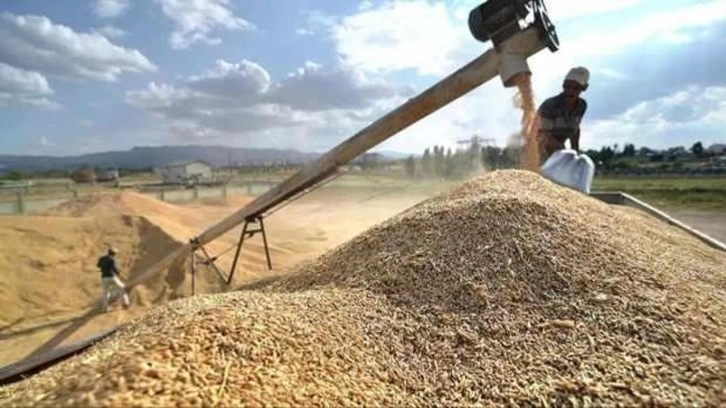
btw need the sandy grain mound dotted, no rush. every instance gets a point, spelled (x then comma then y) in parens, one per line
(90, 206)
(505, 290)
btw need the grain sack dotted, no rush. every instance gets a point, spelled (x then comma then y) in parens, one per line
(505, 290)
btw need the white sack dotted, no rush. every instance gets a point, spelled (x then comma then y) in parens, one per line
(570, 169)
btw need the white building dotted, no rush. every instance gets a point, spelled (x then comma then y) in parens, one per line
(718, 148)
(192, 172)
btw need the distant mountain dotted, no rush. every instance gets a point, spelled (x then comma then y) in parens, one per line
(145, 157)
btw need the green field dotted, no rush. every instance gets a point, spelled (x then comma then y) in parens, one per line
(703, 193)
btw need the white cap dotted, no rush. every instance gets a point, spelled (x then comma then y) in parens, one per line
(578, 74)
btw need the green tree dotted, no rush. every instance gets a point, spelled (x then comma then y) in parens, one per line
(697, 149)
(13, 176)
(473, 155)
(449, 163)
(606, 156)
(492, 157)
(439, 160)
(410, 166)
(629, 150)
(427, 163)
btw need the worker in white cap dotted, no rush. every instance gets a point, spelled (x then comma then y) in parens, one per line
(560, 116)
(110, 280)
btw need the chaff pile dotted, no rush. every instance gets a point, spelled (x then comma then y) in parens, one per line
(505, 290)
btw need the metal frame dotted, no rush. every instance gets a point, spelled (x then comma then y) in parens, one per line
(620, 198)
(252, 226)
(250, 233)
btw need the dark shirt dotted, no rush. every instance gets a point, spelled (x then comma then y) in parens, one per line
(108, 266)
(560, 122)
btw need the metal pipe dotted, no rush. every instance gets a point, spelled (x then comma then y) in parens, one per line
(474, 74)
(477, 72)
(634, 202)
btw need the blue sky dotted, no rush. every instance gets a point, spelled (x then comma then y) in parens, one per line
(86, 76)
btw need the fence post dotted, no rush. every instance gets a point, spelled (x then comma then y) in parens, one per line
(75, 193)
(162, 194)
(224, 191)
(21, 202)
(196, 192)
(249, 189)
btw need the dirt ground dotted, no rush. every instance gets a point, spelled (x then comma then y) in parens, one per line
(50, 283)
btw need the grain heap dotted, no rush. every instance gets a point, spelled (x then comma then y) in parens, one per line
(506, 289)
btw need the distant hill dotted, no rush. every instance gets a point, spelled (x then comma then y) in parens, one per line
(145, 157)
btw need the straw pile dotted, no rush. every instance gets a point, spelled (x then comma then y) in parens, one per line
(505, 290)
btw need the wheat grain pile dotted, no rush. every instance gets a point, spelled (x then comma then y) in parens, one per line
(504, 290)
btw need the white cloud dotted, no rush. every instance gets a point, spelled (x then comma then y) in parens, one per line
(431, 38)
(663, 26)
(697, 112)
(691, 104)
(316, 23)
(44, 141)
(110, 8)
(35, 43)
(110, 31)
(7, 99)
(365, 5)
(157, 96)
(239, 100)
(20, 82)
(21, 87)
(233, 80)
(400, 35)
(314, 88)
(194, 20)
(428, 37)
(560, 10)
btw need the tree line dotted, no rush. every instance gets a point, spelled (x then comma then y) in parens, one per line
(442, 162)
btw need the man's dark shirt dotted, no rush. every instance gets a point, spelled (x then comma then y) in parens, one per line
(560, 122)
(108, 266)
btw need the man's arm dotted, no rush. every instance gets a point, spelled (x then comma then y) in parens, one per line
(113, 266)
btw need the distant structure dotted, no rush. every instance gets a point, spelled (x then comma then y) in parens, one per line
(108, 175)
(718, 148)
(477, 140)
(189, 173)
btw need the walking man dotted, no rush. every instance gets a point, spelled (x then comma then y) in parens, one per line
(110, 279)
(560, 115)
